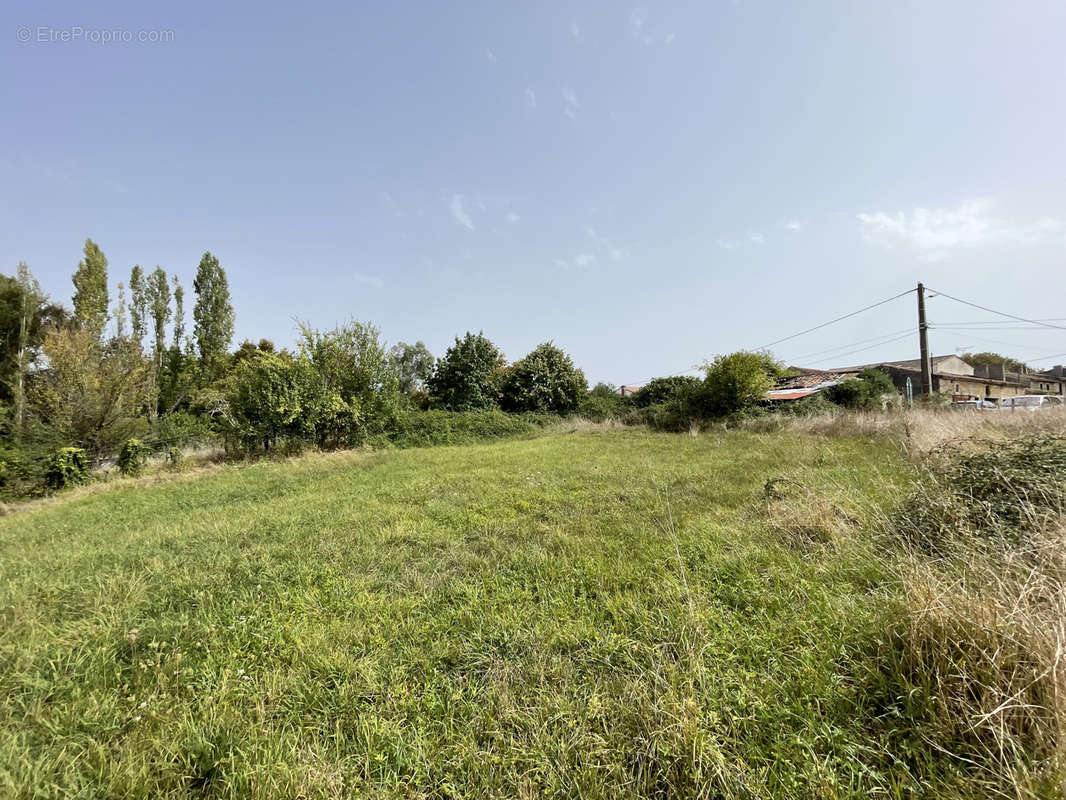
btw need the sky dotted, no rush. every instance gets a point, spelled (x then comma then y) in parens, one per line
(646, 186)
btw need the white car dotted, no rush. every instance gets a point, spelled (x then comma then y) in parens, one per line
(1030, 402)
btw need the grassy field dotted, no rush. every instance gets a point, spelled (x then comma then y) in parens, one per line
(599, 614)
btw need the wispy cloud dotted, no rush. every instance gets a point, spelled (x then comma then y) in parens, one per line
(793, 225)
(513, 217)
(531, 98)
(491, 56)
(575, 29)
(369, 280)
(570, 97)
(669, 38)
(560, 263)
(727, 244)
(756, 238)
(584, 260)
(637, 18)
(936, 232)
(609, 250)
(459, 213)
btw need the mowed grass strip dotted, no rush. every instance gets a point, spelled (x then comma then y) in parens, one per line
(595, 615)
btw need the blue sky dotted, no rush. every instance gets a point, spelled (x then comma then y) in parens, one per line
(645, 185)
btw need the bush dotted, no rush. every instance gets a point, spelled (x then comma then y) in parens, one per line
(862, 392)
(662, 390)
(545, 381)
(737, 381)
(68, 466)
(133, 456)
(182, 429)
(466, 377)
(428, 428)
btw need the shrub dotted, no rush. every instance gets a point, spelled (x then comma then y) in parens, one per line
(67, 466)
(427, 428)
(662, 390)
(466, 377)
(546, 380)
(736, 381)
(862, 392)
(182, 429)
(133, 456)
(279, 399)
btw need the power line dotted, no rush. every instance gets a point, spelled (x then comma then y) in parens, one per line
(832, 321)
(871, 347)
(846, 346)
(993, 311)
(997, 322)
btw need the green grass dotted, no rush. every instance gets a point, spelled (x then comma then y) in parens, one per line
(590, 615)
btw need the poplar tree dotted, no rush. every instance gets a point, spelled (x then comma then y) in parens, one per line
(158, 295)
(90, 290)
(212, 314)
(138, 303)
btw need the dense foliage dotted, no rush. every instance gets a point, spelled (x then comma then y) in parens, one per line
(546, 381)
(467, 376)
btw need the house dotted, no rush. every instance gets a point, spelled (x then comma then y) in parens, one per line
(1052, 381)
(807, 383)
(629, 391)
(950, 374)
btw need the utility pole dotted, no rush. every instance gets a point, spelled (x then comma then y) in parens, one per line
(923, 344)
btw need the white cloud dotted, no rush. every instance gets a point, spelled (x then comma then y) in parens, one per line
(584, 260)
(513, 217)
(575, 29)
(936, 232)
(459, 213)
(637, 18)
(793, 225)
(669, 38)
(727, 244)
(569, 112)
(531, 98)
(560, 263)
(756, 238)
(369, 280)
(491, 56)
(570, 96)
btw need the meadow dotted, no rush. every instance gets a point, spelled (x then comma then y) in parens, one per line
(595, 612)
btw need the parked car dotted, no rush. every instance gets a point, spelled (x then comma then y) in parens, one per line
(975, 404)
(1030, 402)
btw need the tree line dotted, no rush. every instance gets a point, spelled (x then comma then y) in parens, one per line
(118, 378)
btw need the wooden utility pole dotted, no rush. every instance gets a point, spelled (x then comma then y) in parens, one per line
(923, 344)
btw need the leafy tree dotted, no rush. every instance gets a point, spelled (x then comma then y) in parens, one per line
(413, 364)
(737, 381)
(25, 315)
(179, 316)
(91, 396)
(603, 402)
(90, 290)
(138, 303)
(351, 362)
(276, 398)
(661, 390)
(993, 359)
(546, 380)
(212, 314)
(158, 296)
(121, 312)
(465, 379)
(863, 391)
